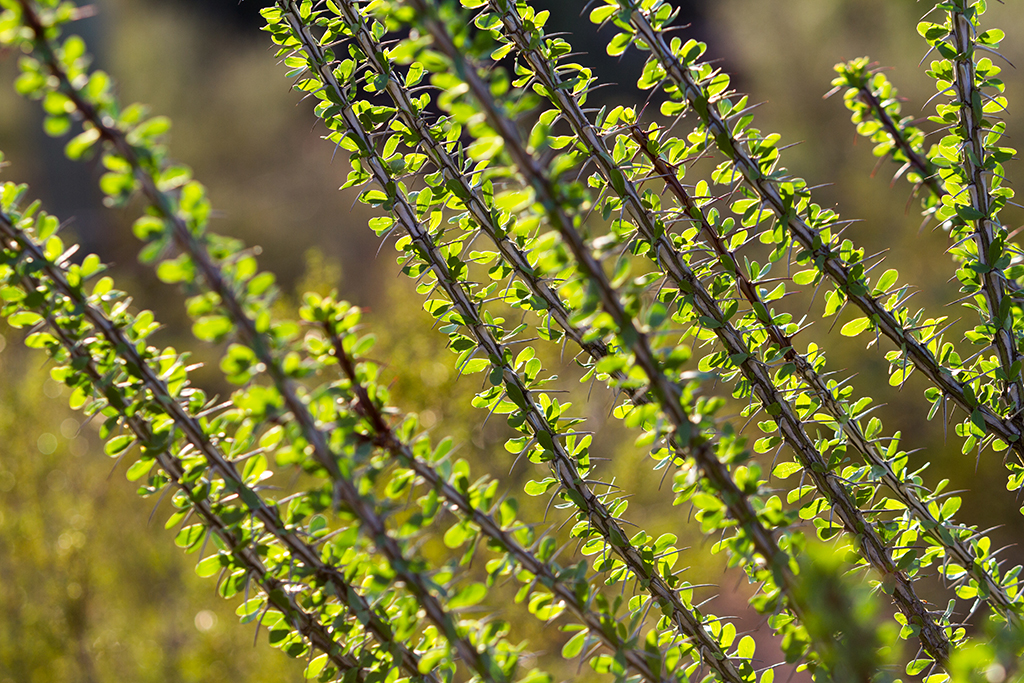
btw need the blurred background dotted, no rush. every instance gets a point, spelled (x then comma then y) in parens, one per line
(92, 588)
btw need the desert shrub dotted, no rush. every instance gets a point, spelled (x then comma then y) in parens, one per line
(656, 244)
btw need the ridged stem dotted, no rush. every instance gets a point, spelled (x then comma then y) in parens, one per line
(196, 435)
(969, 101)
(919, 162)
(384, 437)
(667, 392)
(944, 532)
(824, 257)
(344, 489)
(689, 625)
(470, 194)
(876, 551)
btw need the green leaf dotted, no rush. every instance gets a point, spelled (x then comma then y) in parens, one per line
(917, 666)
(539, 488)
(118, 444)
(785, 470)
(475, 365)
(56, 126)
(805, 277)
(81, 143)
(24, 319)
(212, 328)
(950, 507)
(855, 327)
(209, 566)
(468, 596)
(575, 645)
(992, 36)
(147, 228)
(745, 650)
(618, 44)
(154, 127)
(190, 536)
(899, 375)
(457, 535)
(600, 14)
(316, 666)
(886, 281)
(414, 75)
(430, 659)
(139, 469)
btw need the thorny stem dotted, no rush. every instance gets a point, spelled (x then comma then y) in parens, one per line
(823, 256)
(973, 152)
(563, 467)
(308, 625)
(963, 552)
(470, 194)
(920, 163)
(667, 392)
(257, 341)
(384, 438)
(876, 551)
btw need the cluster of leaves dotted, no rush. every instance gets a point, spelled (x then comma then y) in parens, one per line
(508, 198)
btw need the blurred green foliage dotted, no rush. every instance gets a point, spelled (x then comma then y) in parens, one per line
(89, 591)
